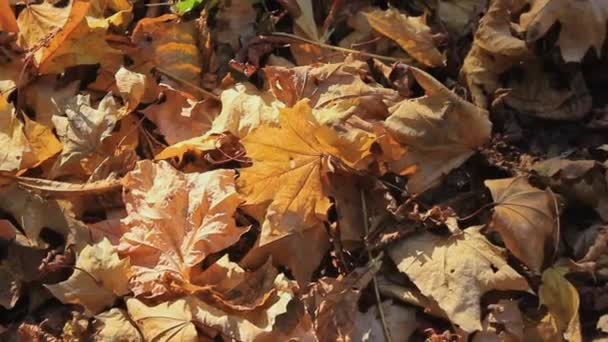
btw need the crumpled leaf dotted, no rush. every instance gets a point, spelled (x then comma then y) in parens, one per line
(134, 88)
(495, 50)
(83, 130)
(440, 130)
(456, 271)
(579, 181)
(590, 249)
(339, 86)
(562, 300)
(174, 321)
(174, 222)
(39, 21)
(526, 218)
(99, 277)
(411, 33)
(244, 108)
(114, 324)
(171, 45)
(285, 181)
(575, 36)
(180, 117)
(333, 302)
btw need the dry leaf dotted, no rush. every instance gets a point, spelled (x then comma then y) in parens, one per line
(8, 22)
(245, 108)
(562, 300)
(576, 36)
(456, 271)
(526, 218)
(411, 33)
(235, 23)
(134, 89)
(47, 97)
(174, 222)
(170, 321)
(495, 50)
(99, 277)
(115, 325)
(400, 322)
(197, 145)
(504, 322)
(285, 180)
(440, 130)
(172, 46)
(179, 116)
(459, 16)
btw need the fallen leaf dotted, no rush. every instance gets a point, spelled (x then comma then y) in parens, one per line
(172, 46)
(602, 324)
(198, 145)
(180, 117)
(174, 222)
(169, 321)
(42, 141)
(400, 322)
(8, 22)
(495, 50)
(10, 287)
(99, 277)
(440, 130)
(134, 89)
(504, 322)
(235, 23)
(115, 325)
(411, 33)
(17, 153)
(562, 300)
(285, 180)
(526, 218)
(459, 16)
(244, 108)
(48, 97)
(575, 36)
(578, 181)
(456, 271)
(83, 131)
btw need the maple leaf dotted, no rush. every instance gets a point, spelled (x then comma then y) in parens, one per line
(456, 271)
(169, 321)
(576, 36)
(114, 325)
(411, 33)
(25, 146)
(174, 221)
(180, 117)
(562, 300)
(288, 165)
(100, 276)
(440, 131)
(525, 217)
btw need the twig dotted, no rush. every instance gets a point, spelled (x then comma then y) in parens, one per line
(333, 47)
(387, 333)
(205, 92)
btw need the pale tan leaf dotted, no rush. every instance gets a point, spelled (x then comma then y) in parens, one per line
(115, 325)
(456, 271)
(562, 300)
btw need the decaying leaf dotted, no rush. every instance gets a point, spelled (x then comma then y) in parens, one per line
(526, 218)
(174, 222)
(400, 321)
(114, 324)
(284, 186)
(456, 271)
(576, 36)
(504, 322)
(440, 130)
(411, 33)
(562, 300)
(99, 277)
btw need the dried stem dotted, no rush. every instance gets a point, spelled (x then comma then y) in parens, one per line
(387, 333)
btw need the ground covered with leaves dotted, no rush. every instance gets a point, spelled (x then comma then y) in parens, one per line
(298, 170)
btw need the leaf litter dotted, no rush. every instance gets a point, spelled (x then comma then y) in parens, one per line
(299, 170)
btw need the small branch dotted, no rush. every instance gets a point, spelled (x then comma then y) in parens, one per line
(387, 333)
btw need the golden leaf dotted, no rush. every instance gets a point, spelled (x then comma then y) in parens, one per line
(562, 300)
(411, 33)
(174, 222)
(114, 325)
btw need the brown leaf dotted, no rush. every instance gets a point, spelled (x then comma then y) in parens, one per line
(440, 130)
(411, 33)
(526, 218)
(174, 222)
(576, 36)
(456, 271)
(504, 322)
